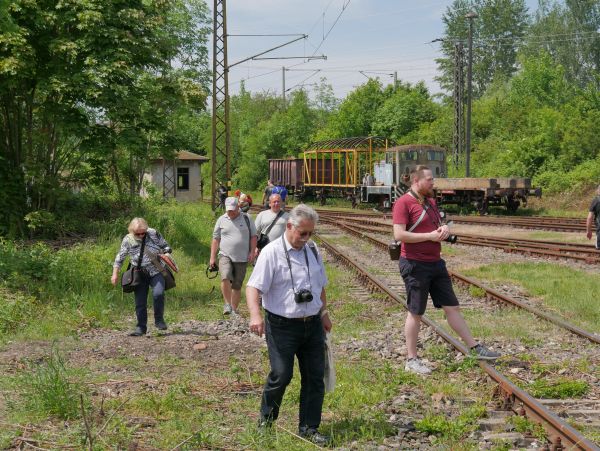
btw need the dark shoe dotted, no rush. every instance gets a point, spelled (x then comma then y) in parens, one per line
(264, 425)
(314, 436)
(161, 325)
(137, 332)
(480, 352)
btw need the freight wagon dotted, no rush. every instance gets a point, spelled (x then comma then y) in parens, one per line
(372, 169)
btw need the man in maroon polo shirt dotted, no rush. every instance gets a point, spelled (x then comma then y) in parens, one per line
(418, 225)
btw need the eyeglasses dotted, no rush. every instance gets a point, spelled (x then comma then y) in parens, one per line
(140, 234)
(304, 234)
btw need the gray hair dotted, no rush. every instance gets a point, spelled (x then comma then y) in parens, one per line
(301, 213)
(273, 195)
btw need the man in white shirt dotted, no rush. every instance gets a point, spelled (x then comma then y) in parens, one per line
(234, 236)
(290, 276)
(266, 221)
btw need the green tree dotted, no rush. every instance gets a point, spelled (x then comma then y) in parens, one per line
(404, 112)
(355, 114)
(497, 35)
(569, 33)
(71, 74)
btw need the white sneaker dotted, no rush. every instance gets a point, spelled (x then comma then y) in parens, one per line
(416, 366)
(227, 309)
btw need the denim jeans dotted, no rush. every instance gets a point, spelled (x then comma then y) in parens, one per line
(157, 282)
(287, 338)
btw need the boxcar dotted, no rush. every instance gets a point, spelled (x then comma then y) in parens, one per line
(287, 172)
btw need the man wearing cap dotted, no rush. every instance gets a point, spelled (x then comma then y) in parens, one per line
(234, 236)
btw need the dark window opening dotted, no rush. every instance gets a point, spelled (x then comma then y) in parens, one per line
(183, 179)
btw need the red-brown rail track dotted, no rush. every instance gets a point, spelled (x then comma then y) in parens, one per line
(489, 292)
(561, 434)
(553, 249)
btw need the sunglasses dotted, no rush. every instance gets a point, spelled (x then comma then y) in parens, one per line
(140, 234)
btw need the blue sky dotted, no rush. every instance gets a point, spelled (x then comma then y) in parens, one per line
(375, 36)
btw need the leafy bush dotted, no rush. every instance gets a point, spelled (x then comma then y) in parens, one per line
(15, 310)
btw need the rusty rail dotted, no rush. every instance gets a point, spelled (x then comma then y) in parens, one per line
(560, 432)
(490, 292)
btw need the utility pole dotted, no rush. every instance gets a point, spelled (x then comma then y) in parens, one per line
(395, 80)
(470, 15)
(459, 81)
(221, 143)
(283, 85)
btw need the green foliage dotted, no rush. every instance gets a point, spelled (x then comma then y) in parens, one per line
(558, 389)
(496, 31)
(403, 112)
(568, 291)
(89, 93)
(15, 309)
(525, 426)
(48, 390)
(451, 428)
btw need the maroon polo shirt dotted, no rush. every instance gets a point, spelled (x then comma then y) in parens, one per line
(407, 210)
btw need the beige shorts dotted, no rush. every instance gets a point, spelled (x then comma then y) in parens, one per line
(235, 272)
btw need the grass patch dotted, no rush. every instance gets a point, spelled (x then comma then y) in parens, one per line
(452, 429)
(558, 389)
(49, 389)
(572, 293)
(525, 426)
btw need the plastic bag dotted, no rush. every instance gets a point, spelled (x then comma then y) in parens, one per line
(329, 377)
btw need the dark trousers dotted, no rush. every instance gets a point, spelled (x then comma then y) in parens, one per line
(157, 282)
(287, 338)
(598, 239)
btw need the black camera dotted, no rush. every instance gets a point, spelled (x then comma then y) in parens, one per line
(302, 296)
(451, 239)
(394, 250)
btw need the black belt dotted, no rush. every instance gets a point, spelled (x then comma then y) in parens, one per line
(303, 319)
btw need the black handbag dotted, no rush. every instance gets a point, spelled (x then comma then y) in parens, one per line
(263, 238)
(132, 277)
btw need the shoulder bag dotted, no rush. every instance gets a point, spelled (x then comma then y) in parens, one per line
(132, 277)
(263, 238)
(164, 270)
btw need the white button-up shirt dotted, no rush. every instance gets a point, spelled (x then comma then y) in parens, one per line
(271, 276)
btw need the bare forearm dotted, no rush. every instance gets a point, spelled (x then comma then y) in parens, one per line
(252, 301)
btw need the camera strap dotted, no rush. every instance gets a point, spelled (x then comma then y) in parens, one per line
(287, 257)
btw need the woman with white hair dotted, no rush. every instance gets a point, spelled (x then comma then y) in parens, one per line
(141, 236)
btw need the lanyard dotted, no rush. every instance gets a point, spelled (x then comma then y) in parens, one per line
(287, 257)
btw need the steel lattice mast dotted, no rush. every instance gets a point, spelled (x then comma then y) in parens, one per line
(221, 142)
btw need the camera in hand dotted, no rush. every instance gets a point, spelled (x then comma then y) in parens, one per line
(302, 296)
(451, 239)
(213, 268)
(394, 250)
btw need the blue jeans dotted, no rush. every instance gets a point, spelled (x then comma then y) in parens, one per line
(287, 338)
(157, 282)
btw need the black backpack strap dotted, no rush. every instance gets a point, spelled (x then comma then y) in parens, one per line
(141, 256)
(249, 231)
(266, 232)
(313, 247)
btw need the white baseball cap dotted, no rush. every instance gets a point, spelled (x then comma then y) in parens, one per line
(231, 203)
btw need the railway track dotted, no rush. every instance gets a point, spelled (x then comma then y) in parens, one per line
(562, 435)
(553, 249)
